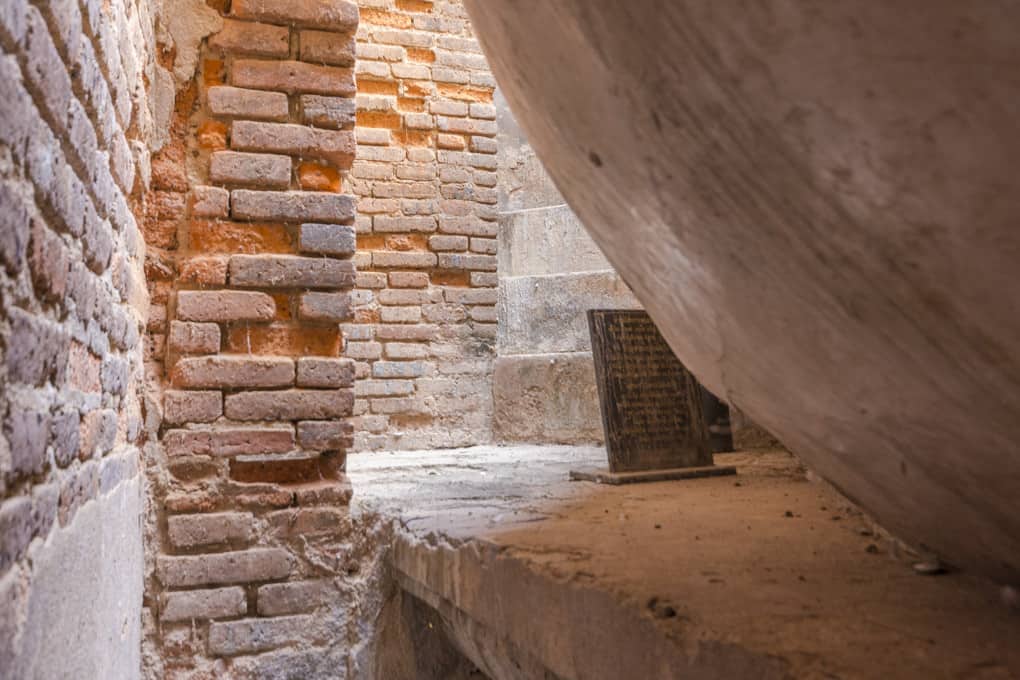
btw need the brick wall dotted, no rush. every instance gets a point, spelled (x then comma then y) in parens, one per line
(251, 228)
(72, 305)
(424, 324)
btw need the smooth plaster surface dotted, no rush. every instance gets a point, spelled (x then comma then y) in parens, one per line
(818, 204)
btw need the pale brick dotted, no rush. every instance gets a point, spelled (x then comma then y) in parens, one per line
(233, 371)
(334, 146)
(191, 531)
(448, 107)
(483, 111)
(484, 279)
(409, 296)
(397, 405)
(293, 77)
(399, 369)
(325, 435)
(209, 201)
(467, 226)
(246, 37)
(212, 603)
(408, 279)
(327, 239)
(378, 137)
(36, 350)
(370, 280)
(405, 350)
(257, 564)
(441, 243)
(421, 224)
(296, 597)
(250, 636)
(448, 141)
(328, 112)
(363, 350)
(383, 388)
(225, 305)
(401, 314)
(194, 338)
(270, 171)
(323, 47)
(383, 258)
(464, 261)
(191, 406)
(324, 372)
(230, 441)
(331, 307)
(485, 246)
(292, 206)
(236, 102)
(484, 314)
(471, 296)
(331, 15)
(289, 405)
(290, 271)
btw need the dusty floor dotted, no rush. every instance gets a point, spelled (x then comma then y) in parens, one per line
(761, 575)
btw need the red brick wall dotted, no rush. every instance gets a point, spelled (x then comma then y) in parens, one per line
(424, 325)
(252, 232)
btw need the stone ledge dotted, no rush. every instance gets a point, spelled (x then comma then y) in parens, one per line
(774, 578)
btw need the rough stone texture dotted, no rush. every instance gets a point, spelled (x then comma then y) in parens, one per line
(551, 273)
(75, 121)
(640, 582)
(204, 604)
(838, 277)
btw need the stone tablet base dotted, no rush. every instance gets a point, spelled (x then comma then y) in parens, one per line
(602, 476)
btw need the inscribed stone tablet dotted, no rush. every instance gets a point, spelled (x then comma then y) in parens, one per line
(651, 404)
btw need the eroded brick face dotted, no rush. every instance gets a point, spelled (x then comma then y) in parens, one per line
(252, 272)
(424, 315)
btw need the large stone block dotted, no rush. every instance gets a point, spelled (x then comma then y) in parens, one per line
(224, 305)
(292, 206)
(213, 603)
(541, 314)
(290, 271)
(232, 441)
(190, 531)
(330, 15)
(233, 371)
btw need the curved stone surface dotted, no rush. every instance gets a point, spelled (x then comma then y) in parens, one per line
(818, 204)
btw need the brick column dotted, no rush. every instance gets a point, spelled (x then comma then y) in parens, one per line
(260, 238)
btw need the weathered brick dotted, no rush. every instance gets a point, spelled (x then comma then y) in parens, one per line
(407, 314)
(332, 15)
(330, 307)
(406, 350)
(233, 371)
(250, 169)
(225, 305)
(290, 271)
(324, 47)
(295, 597)
(191, 406)
(293, 77)
(48, 261)
(334, 146)
(98, 433)
(36, 349)
(246, 37)
(292, 206)
(294, 523)
(328, 239)
(399, 369)
(27, 432)
(64, 436)
(324, 372)
(465, 261)
(325, 435)
(212, 603)
(209, 201)
(257, 564)
(16, 528)
(229, 441)
(188, 337)
(411, 260)
(408, 279)
(328, 112)
(14, 227)
(289, 405)
(236, 102)
(250, 636)
(190, 531)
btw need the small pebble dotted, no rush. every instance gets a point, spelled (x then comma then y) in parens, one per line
(872, 548)
(658, 526)
(787, 514)
(929, 568)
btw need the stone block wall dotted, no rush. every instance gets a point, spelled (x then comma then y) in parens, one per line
(251, 224)
(424, 318)
(550, 274)
(73, 300)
